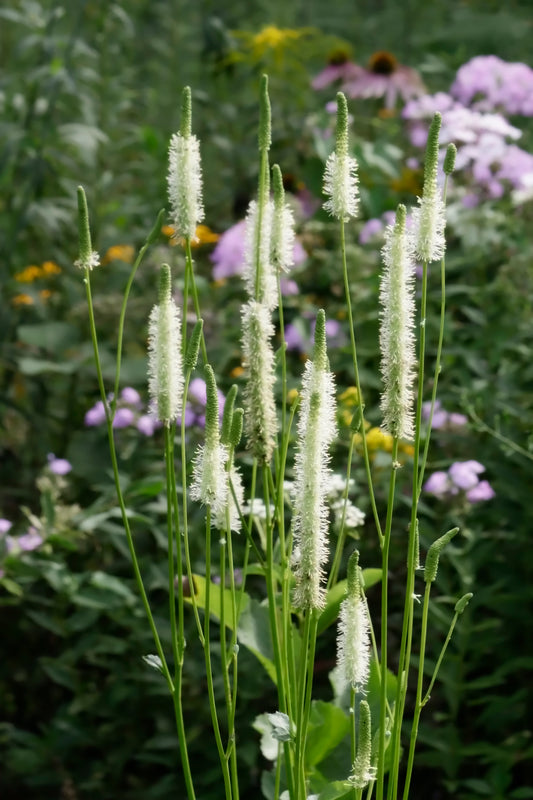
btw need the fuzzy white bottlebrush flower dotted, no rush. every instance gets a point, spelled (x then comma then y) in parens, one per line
(316, 432)
(165, 373)
(340, 176)
(184, 178)
(259, 274)
(260, 421)
(429, 220)
(210, 480)
(396, 335)
(353, 639)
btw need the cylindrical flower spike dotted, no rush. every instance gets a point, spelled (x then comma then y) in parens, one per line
(429, 220)
(210, 481)
(316, 432)
(396, 337)
(282, 242)
(362, 771)
(259, 275)
(88, 257)
(184, 179)
(353, 641)
(165, 371)
(260, 423)
(340, 177)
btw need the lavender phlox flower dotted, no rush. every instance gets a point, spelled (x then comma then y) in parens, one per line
(482, 491)
(370, 230)
(124, 417)
(488, 83)
(5, 526)
(228, 256)
(438, 484)
(131, 396)
(27, 542)
(147, 424)
(95, 415)
(441, 417)
(464, 473)
(59, 466)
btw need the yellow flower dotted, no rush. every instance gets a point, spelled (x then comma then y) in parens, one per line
(23, 300)
(350, 397)
(272, 38)
(119, 252)
(292, 394)
(50, 268)
(236, 372)
(345, 417)
(29, 274)
(203, 235)
(44, 294)
(408, 449)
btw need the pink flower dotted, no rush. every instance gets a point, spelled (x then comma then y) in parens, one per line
(95, 415)
(437, 484)
(385, 77)
(343, 71)
(483, 491)
(228, 256)
(464, 474)
(59, 466)
(5, 526)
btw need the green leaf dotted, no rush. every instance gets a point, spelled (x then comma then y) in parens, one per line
(36, 366)
(328, 725)
(253, 629)
(338, 790)
(52, 336)
(60, 673)
(11, 587)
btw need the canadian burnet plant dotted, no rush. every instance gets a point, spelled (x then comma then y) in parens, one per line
(289, 542)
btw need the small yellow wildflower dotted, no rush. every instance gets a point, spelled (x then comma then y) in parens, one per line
(350, 397)
(50, 268)
(272, 38)
(236, 372)
(376, 439)
(23, 300)
(203, 235)
(345, 417)
(44, 294)
(28, 274)
(408, 449)
(292, 395)
(119, 252)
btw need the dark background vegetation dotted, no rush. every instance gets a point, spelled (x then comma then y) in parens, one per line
(90, 93)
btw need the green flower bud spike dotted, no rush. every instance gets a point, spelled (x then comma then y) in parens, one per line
(265, 132)
(191, 356)
(432, 558)
(227, 416)
(449, 159)
(236, 427)
(362, 771)
(463, 602)
(211, 408)
(186, 112)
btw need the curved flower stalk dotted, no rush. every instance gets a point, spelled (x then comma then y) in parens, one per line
(184, 179)
(165, 371)
(429, 221)
(396, 336)
(316, 432)
(260, 423)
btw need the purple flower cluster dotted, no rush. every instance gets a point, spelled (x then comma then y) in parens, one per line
(485, 140)
(131, 411)
(297, 340)
(442, 419)
(487, 83)
(229, 257)
(14, 544)
(462, 476)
